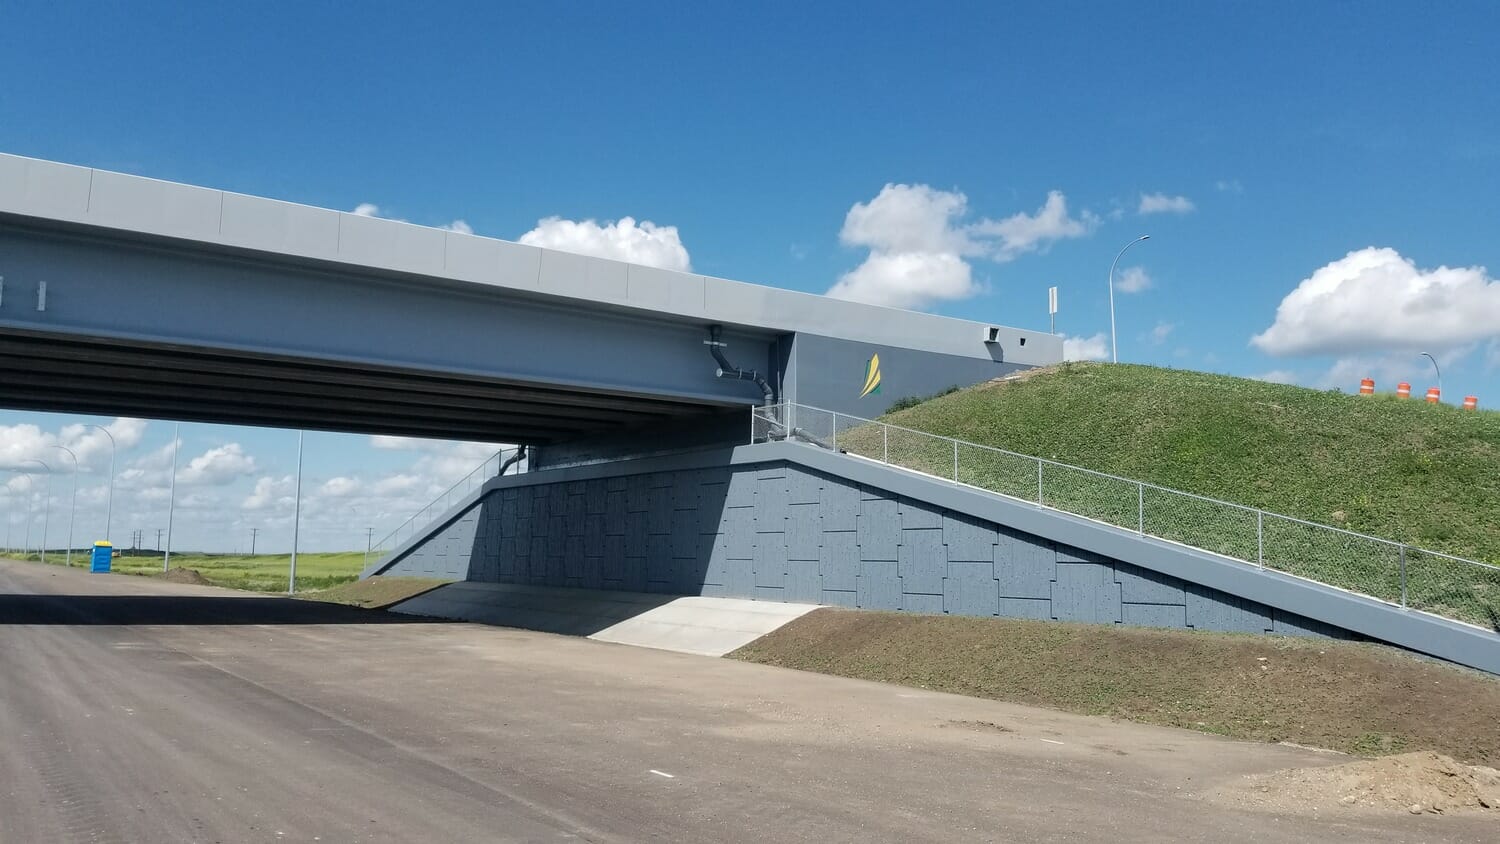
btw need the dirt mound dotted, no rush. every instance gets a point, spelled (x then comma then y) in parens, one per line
(1410, 782)
(183, 576)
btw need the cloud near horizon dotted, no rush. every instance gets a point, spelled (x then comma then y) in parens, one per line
(1373, 301)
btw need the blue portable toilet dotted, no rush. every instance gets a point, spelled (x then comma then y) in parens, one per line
(103, 553)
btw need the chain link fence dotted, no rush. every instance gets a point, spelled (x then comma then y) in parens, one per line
(1442, 584)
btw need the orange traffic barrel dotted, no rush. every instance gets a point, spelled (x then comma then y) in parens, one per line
(1434, 395)
(1367, 387)
(1471, 402)
(1403, 390)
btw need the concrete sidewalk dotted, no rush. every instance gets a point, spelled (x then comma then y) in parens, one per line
(686, 624)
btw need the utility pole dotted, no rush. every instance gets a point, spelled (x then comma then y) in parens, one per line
(159, 532)
(369, 539)
(253, 532)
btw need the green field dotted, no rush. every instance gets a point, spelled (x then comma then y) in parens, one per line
(259, 573)
(1424, 475)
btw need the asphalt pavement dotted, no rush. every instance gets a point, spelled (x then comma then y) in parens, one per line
(134, 710)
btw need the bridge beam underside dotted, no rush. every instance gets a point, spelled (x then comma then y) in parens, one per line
(82, 375)
(103, 323)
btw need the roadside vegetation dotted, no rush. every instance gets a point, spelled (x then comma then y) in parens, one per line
(1357, 698)
(1406, 471)
(258, 573)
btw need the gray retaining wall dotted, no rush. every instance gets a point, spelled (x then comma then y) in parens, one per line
(781, 531)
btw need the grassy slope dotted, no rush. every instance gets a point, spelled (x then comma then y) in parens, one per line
(260, 573)
(1358, 698)
(1428, 476)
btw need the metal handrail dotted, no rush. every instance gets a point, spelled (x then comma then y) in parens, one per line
(499, 461)
(789, 410)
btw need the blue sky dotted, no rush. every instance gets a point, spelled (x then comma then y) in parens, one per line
(1277, 138)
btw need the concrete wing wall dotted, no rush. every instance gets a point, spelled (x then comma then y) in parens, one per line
(783, 522)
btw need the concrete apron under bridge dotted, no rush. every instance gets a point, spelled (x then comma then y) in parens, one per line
(792, 523)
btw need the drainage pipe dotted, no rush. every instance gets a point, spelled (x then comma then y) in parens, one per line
(729, 370)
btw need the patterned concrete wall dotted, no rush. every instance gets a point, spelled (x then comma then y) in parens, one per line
(780, 532)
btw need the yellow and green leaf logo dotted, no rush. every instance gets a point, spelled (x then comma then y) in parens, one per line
(872, 376)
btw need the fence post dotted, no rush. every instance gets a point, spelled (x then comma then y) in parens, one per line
(1260, 537)
(1039, 484)
(1403, 574)
(1140, 508)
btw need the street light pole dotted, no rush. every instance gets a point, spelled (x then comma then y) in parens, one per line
(73, 505)
(46, 507)
(166, 561)
(291, 583)
(1438, 371)
(109, 509)
(1114, 349)
(30, 510)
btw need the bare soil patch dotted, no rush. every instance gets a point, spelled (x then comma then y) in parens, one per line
(1357, 698)
(183, 576)
(375, 592)
(1410, 782)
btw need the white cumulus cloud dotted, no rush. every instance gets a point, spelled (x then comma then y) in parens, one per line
(920, 243)
(1161, 332)
(906, 279)
(1133, 280)
(340, 487)
(1374, 300)
(271, 493)
(1160, 203)
(25, 442)
(1020, 233)
(366, 209)
(217, 466)
(624, 240)
(1086, 348)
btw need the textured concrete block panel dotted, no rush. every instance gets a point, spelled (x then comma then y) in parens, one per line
(780, 532)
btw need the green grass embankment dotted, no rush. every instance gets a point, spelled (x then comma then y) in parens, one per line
(1424, 475)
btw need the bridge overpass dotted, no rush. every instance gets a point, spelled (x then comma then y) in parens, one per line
(129, 295)
(120, 294)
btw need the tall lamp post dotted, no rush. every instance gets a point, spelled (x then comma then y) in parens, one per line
(291, 579)
(1438, 371)
(73, 505)
(47, 505)
(109, 508)
(166, 562)
(1114, 350)
(30, 510)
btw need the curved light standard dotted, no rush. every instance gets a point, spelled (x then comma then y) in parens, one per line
(166, 562)
(47, 507)
(1438, 371)
(30, 510)
(109, 509)
(73, 505)
(1114, 350)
